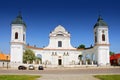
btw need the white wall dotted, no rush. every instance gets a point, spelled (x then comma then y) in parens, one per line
(16, 53)
(50, 57)
(99, 35)
(17, 45)
(103, 55)
(59, 34)
(21, 30)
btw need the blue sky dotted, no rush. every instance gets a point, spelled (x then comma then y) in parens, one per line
(77, 16)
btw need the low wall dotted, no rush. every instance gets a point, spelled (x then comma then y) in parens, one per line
(4, 64)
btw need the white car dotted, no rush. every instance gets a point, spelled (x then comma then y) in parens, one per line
(31, 67)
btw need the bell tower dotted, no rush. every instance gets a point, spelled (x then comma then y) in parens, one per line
(101, 40)
(18, 39)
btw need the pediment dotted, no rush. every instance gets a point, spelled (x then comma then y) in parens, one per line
(59, 31)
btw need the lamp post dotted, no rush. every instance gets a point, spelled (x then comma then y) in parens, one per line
(7, 61)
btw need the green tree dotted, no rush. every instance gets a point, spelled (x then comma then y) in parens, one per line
(111, 53)
(81, 46)
(28, 55)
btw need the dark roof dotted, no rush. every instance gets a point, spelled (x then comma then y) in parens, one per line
(101, 23)
(18, 20)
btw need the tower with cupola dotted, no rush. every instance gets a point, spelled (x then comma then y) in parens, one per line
(18, 39)
(101, 40)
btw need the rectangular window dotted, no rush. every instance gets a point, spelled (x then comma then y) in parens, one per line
(59, 43)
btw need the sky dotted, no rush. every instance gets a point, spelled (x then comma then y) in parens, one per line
(76, 16)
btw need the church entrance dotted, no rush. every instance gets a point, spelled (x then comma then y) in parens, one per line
(59, 61)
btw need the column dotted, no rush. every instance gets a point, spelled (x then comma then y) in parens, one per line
(86, 62)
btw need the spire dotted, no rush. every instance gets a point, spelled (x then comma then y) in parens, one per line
(100, 22)
(19, 15)
(19, 19)
(99, 18)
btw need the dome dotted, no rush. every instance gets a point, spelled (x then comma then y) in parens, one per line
(59, 28)
(18, 20)
(100, 23)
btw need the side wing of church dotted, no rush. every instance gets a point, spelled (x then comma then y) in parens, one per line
(60, 52)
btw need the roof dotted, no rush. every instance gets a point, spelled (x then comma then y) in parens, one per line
(33, 47)
(100, 23)
(60, 28)
(4, 56)
(115, 56)
(18, 20)
(36, 48)
(59, 31)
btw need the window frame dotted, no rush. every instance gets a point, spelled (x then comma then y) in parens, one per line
(103, 37)
(16, 35)
(59, 43)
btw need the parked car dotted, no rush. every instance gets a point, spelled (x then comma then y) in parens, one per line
(31, 67)
(21, 67)
(40, 68)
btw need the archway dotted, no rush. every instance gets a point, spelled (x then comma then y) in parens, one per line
(88, 58)
(38, 59)
(59, 61)
(80, 59)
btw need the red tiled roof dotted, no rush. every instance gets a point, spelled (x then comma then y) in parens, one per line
(4, 56)
(115, 56)
(32, 47)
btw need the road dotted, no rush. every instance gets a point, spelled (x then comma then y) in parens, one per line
(91, 71)
(64, 73)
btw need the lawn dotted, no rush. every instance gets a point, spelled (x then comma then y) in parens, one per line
(108, 77)
(18, 77)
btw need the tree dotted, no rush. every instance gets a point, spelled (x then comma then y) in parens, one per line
(111, 53)
(81, 46)
(28, 55)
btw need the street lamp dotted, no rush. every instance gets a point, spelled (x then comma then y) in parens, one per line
(7, 61)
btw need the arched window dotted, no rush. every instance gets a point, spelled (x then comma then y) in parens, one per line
(59, 43)
(103, 37)
(95, 37)
(16, 35)
(23, 37)
(80, 57)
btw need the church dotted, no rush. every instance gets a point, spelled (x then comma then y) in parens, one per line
(59, 51)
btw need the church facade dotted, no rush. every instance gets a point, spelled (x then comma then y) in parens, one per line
(59, 51)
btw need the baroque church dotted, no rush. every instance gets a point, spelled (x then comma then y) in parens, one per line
(59, 51)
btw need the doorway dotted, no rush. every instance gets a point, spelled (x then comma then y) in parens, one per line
(59, 61)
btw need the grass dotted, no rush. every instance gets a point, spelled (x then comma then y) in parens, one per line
(18, 77)
(108, 77)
